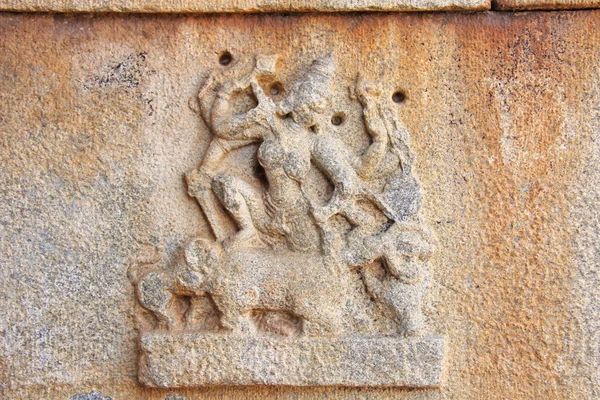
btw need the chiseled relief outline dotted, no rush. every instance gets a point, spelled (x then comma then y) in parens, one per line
(281, 262)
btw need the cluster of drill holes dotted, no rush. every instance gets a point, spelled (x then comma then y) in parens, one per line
(276, 89)
(337, 119)
(225, 58)
(398, 97)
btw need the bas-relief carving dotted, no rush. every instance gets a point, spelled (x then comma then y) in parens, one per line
(293, 260)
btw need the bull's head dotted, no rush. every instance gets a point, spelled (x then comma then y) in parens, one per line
(200, 258)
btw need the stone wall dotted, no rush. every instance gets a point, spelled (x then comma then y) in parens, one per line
(98, 126)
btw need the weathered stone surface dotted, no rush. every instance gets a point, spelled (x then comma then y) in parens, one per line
(203, 6)
(301, 240)
(243, 360)
(89, 396)
(544, 4)
(176, 396)
(96, 133)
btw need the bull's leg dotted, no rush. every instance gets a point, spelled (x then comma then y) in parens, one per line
(155, 296)
(321, 319)
(165, 321)
(320, 324)
(236, 321)
(240, 324)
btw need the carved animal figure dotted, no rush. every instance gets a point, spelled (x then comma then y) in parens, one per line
(398, 281)
(302, 284)
(156, 285)
(243, 282)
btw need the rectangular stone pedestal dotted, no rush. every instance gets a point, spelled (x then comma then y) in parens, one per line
(171, 360)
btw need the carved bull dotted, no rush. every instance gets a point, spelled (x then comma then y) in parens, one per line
(304, 285)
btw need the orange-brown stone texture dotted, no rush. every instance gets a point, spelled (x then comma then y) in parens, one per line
(96, 133)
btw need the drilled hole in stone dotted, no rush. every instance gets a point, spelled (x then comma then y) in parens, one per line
(225, 58)
(276, 89)
(398, 97)
(337, 119)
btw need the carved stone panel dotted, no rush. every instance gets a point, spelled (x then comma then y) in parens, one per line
(303, 237)
(412, 204)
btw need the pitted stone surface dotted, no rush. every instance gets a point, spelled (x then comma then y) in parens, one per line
(89, 396)
(506, 5)
(284, 259)
(96, 132)
(243, 360)
(237, 6)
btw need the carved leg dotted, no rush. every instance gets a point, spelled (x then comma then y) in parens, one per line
(164, 321)
(315, 325)
(320, 323)
(154, 295)
(244, 205)
(406, 300)
(199, 185)
(321, 318)
(236, 322)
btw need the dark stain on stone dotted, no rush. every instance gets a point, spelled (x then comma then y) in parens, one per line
(126, 73)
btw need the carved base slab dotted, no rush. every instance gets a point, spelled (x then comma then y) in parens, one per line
(199, 359)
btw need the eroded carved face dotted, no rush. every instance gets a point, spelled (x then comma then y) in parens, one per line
(309, 97)
(309, 114)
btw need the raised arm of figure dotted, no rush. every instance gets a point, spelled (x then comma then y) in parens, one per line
(399, 140)
(205, 99)
(252, 124)
(369, 161)
(213, 85)
(225, 123)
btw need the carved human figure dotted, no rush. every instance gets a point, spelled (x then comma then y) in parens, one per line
(230, 128)
(280, 209)
(244, 271)
(398, 241)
